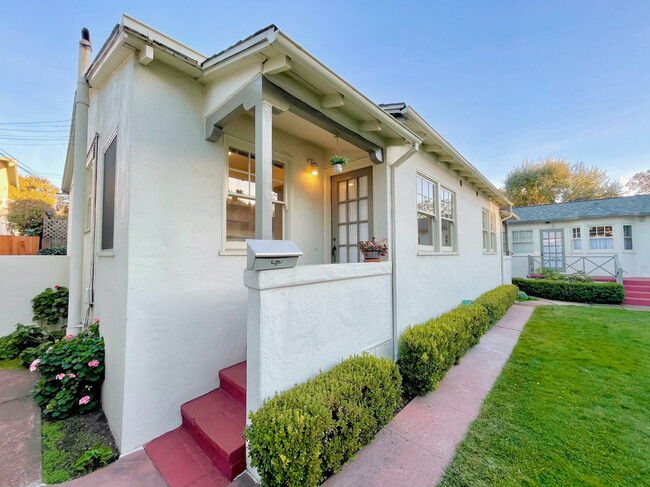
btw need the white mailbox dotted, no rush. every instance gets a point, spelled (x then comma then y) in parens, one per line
(272, 254)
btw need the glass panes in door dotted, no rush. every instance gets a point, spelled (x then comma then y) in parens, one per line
(552, 249)
(351, 214)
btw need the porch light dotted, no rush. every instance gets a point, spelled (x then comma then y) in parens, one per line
(313, 165)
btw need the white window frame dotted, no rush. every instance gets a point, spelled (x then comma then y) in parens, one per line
(611, 238)
(99, 197)
(631, 237)
(576, 236)
(436, 225)
(89, 193)
(493, 233)
(513, 242)
(239, 248)
(485, 223)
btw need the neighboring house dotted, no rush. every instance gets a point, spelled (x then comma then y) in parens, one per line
(184, 156)
(8, 177)
(599, 237)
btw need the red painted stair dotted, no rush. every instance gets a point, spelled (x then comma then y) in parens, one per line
(208, 449)
(637, 291)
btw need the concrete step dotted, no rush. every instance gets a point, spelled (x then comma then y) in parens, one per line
(182, 463)
(233, 381)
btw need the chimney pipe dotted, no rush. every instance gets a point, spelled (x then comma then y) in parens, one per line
(77, 203)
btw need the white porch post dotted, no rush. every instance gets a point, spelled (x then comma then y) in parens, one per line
(263, 170)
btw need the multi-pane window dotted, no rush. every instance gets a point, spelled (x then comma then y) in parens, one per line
(601, 238)
(486, 231)
(576, 239)
(627, 238)
(493, 233)
(108, 193)
(426, 207)
(240, 202)
(447, 212)
(522, 241)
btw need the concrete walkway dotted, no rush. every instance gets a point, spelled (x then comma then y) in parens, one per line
(417, 445)
(20, 429)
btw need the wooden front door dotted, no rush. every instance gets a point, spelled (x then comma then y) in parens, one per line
(351, 214)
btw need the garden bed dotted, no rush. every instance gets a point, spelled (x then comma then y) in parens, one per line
(66, 440)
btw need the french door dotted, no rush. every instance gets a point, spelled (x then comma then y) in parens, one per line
(351, 214)
(553, 249)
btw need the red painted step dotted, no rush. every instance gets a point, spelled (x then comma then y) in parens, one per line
(233, 381)
(637, 301)
(216, 421)
(635, 288)
(182, 463)
(208, 449)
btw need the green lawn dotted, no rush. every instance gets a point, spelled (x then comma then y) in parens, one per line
(571, 406)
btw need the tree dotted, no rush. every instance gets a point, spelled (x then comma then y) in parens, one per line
(556, 180)
(639, 183)
(24, 215)
(35, 189)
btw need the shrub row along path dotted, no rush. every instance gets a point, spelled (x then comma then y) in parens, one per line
(20, 430)
(417, 445)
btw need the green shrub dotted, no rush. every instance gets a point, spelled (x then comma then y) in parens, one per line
(498, 301)
(579, 292)
(72, 372)
(95, 458)
(54, 251)
(430, 349)
(24, 338)
(308, 432)
(51, 306)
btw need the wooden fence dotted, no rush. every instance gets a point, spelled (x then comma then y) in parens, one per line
(13, 245)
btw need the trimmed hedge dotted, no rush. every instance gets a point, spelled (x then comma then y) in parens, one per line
(578, 292)
(430, 349)
(304, 434)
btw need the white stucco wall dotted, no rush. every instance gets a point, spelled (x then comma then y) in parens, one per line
(636, 262)
(109, 114)
(309, 318)
(21, 278)
(428, 285)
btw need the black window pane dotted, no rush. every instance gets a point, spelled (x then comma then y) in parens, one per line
(108, 206)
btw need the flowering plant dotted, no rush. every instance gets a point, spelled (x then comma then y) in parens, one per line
(373, 246)
(51, 306)
(72, 372)
(342, 160)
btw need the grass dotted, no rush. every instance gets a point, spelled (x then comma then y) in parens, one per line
(570, 407)
(14, 363)
(63, 442)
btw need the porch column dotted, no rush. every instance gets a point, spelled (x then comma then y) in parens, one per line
(263, 170)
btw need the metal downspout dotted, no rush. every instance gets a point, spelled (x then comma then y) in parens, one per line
(512, 214)
(393, 233)
(77, 204)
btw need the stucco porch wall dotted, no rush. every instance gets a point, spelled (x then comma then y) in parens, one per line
(308, 318)
(21, 278)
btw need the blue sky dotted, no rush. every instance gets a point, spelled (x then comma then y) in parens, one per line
(501, 81)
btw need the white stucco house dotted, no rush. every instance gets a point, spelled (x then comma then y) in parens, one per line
(177, 157)
(608, 239)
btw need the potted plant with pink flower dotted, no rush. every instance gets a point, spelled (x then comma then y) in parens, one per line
(372, 250)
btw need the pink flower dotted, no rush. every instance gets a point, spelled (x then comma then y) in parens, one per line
(60, 376)
(84, 400)
(50, 348)
(93, 363)
(57, 287)
(96, 320)
(72, 376)
(68, 337)
(34, 364)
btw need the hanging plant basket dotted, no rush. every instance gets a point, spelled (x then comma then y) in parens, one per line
(338, 162)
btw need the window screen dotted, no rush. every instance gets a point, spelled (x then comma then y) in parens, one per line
(108, 204)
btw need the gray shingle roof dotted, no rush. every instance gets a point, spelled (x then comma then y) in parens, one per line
(577, 210)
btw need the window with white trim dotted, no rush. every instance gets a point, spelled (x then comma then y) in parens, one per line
(447, 219)
(108, 193)
(522, 241)
(627, 238)
(89, 195)
(240, 201)
(493, 233)
(576, 240)
(601, 237)
(486, 231)
(426, 211)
